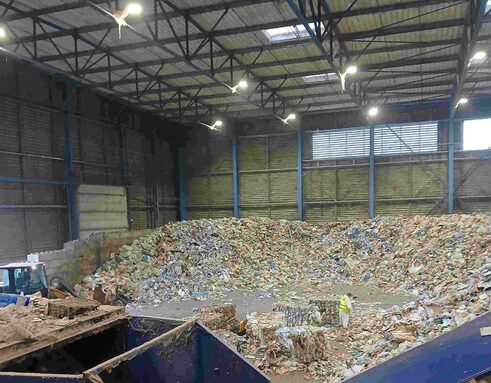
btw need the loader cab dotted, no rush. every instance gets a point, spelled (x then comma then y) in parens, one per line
(23, 278)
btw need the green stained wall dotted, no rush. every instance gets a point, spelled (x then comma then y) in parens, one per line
(333, 190)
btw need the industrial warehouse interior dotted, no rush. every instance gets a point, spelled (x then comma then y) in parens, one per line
(245, 191)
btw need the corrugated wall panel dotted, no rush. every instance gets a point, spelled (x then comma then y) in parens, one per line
(12, 236)
(424, 185)
(252, 153)
(198, 189)
(253, 189)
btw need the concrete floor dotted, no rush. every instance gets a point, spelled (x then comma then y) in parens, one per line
(261, 301)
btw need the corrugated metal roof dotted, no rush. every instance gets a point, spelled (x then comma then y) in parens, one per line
(381, 54)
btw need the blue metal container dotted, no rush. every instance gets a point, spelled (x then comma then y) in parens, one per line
(137, 349)
(454, 357)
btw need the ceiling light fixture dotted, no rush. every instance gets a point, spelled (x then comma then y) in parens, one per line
(290, 117)
(479, 55)
(350, 70)
(3, 33)
(462, 101)
(134, 9)
(242, 84)
(373, 111)
(216, 124)
(120, 15)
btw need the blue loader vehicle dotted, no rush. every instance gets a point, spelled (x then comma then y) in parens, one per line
(20, 280)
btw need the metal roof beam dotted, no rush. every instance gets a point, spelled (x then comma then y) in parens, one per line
(395, 75)
(83, 4)
(386, 31)
(200, 36)
(150, 76)
(374, 90)
(361, 68)
(477, 9)
(306, 104)
(232, 57)
(272, 47)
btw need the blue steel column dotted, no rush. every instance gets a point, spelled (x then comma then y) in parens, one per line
(371, 186)
(70, 184)
(450, 165)
(300, 173)
(181, 165)
(235, 176)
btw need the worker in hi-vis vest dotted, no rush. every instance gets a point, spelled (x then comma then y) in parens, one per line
(345, 309)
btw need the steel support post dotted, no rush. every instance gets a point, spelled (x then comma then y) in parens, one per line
(70, 183)
(235, 175)
(450, 166)
(300, 173)
(371, 185)
(181, 166)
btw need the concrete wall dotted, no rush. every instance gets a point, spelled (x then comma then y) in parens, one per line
(112, 144)
(80, 258)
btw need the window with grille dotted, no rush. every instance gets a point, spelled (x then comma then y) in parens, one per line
(389, 139)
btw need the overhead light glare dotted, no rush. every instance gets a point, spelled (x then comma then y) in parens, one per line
(134, 9)
(352, 69)
(3, 33)
(242, 84)
(290, 117)
(33, 267)
(216, 124)
(480, 55)
(462, 101)
(373, 111)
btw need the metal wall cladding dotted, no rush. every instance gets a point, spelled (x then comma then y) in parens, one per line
(268, 176)
(12, 235)
(46, 229)
(101, 209)
(209, 174)
(473, 176)
(394, 181)
(253, 153)
(424, 182)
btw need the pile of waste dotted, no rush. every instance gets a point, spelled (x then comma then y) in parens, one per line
(443, 262)
(198, 259)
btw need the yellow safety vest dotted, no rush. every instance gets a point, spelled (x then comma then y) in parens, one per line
(343, 305)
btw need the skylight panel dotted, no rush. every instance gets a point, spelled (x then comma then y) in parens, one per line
(291, 32)
(319, 78)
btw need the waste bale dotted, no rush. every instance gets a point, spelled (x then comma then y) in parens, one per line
(307, 343)
(298, 314)
(261, 327)
(218, 316)
(70, 307)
